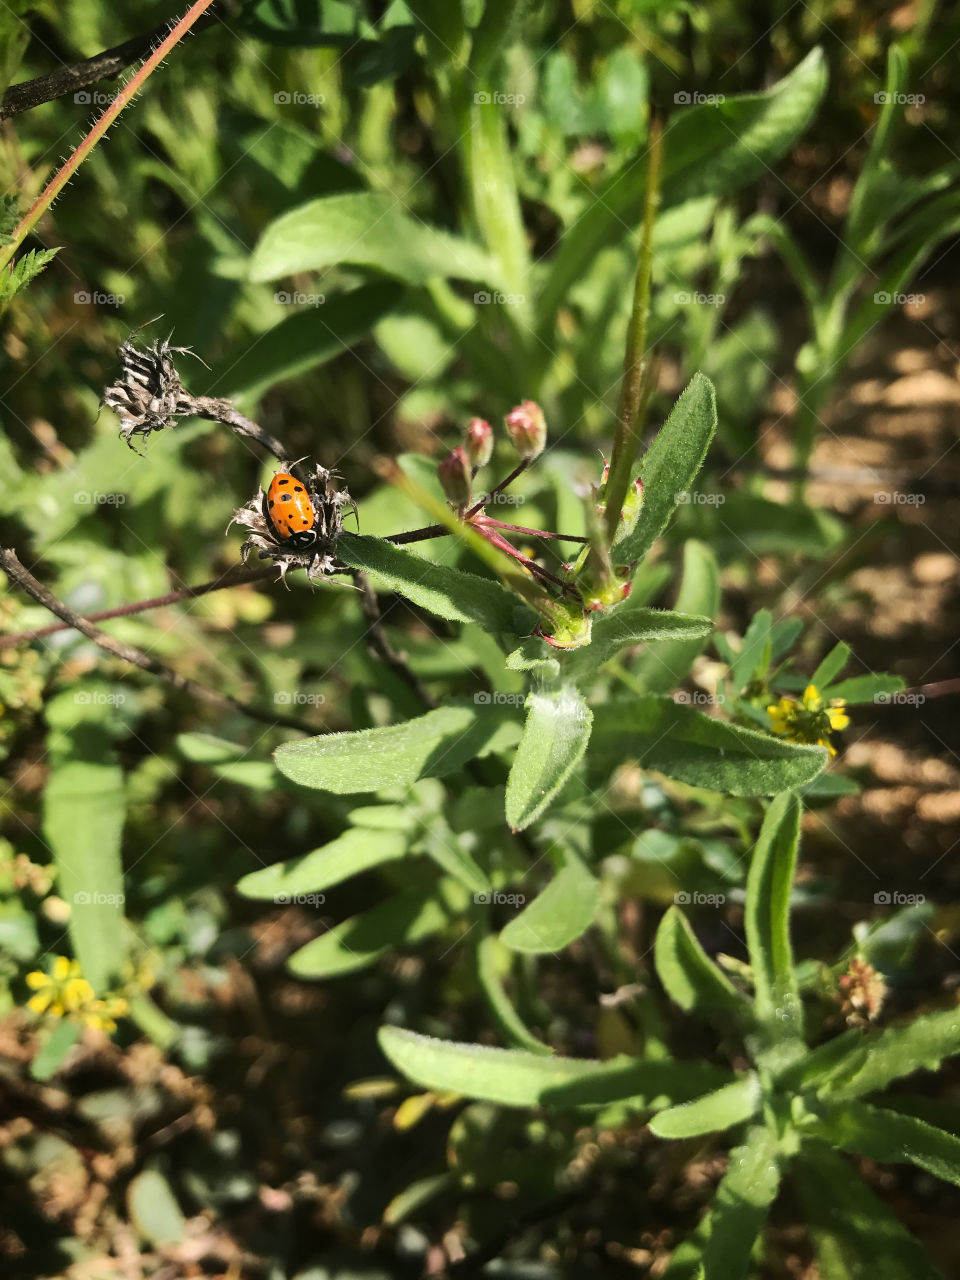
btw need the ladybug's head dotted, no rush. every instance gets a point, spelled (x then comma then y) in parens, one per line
(301, 540)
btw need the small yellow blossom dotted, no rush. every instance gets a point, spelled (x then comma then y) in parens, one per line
(811, 720)
(65, 993)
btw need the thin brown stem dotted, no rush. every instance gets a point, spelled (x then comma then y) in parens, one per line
(102, 66)
(381, 646)
(24, 579)
(229, 579)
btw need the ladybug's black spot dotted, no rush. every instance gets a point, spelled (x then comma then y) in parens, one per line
(272, 503)
(285, 480)
(298, 488)
(285, 497)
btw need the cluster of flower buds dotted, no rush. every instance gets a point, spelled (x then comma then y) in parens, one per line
(527, 429)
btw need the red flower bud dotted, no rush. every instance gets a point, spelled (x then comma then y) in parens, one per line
(478, 441)
(528, 429)
(454, 475)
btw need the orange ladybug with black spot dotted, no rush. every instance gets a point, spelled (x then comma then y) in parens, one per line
(289, 511)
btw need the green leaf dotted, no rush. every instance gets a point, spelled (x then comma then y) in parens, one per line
(84, 806)
(449, 593)
(624, 626)
(691, 979)
(670, 465)
(349, 855)
(365, 229)
(730, 1105)
(708, 150)
(489, 952)
(667, 662)
(855, 1234)
(561, 913)
(683, 743)
(517, 1079)
(555, 736)
(49, 1058)
(878, 687)
(767, 919)
(890, 1137)
(449, 852)
(743, 1199)
(356, 943)
(920, 1045)
(153, 1209)
(831, 666)
(305, 339)
(755, 650)
(430, 746)
(26, 268)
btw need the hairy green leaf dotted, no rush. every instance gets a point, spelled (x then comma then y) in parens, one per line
(561, 913)
(555, 736)
(727, 1106)
(767, 919)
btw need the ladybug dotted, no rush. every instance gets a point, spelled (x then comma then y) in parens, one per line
(289, 512)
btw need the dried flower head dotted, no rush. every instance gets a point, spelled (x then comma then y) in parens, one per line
(328, 502)
(148, 396)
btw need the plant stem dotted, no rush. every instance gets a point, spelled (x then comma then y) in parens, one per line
(229, 579)
(627, 439)
(67, 170)
(24, 579)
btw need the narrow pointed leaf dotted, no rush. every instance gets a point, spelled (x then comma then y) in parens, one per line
(508, 1019)
(740, 1209)
(767, 917)
(517, 1079)
(691, 979)
(430, 746)
(701, 750)
(712, 1113)
(670, 465)
(449, 593)
(561, 913)
(555, 736)
(615, 631)
(920, 1045)
(891, 1138)
(350, 854)
(356, 943)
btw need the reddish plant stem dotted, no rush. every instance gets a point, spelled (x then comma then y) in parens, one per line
(229, 579)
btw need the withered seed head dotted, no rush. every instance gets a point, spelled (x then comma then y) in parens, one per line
(148, 396)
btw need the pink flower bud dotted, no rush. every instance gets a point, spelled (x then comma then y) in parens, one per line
(478, 441)
(528, 429)
(454, 475)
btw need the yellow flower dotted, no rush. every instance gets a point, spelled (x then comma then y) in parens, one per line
(65, 993)
(810, 720)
